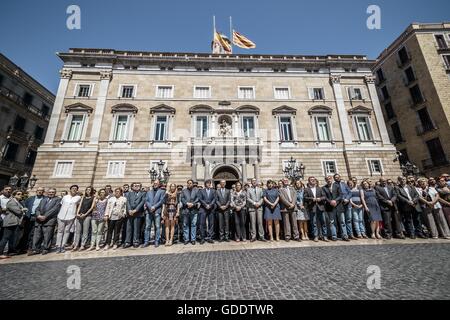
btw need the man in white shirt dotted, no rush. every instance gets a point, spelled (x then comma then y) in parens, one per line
(66, 217)
(4, 198)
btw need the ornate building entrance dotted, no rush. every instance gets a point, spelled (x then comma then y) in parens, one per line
(227, 173)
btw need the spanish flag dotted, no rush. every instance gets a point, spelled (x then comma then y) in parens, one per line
(242, 42)
(221, 43)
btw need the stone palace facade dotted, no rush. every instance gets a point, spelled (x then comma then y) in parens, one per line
(118, 113)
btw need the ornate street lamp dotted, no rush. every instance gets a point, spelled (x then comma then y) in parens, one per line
(293, 170)
(13, 181)
(161, 173)
(24, 181)
(33, 181)
(409, 169)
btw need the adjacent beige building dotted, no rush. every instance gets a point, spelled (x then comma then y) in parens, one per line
(117, 113)
(413, 80)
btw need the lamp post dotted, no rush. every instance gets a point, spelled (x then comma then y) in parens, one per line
(33, 181)
(409, 169)
(24, 181)
(159, 173)
(13, 181)
(293, 170)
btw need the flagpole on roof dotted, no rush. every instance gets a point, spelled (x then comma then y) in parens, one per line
(231, 34)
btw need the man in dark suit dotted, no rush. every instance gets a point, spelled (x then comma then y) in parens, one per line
(223, 199)
(207, 199)
(46, 217)
(154, 201)
(135, 211)
(314, 198)
(332, 201)
(190, 204)
(407, 200)
(29, 220)
(387, 198)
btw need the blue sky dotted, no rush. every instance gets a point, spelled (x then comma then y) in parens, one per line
(32, 31)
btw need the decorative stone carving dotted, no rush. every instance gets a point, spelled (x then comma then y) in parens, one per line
(225, 129)
(370, 79)
(335, 78)
(65, 73)
(106, 75)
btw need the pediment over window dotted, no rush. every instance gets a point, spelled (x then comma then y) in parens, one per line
(247, 109)
(78, 107)
(124, 107)
(201, 108)
(162, 108)
(360, 110)
(320, 109)
(284, 109)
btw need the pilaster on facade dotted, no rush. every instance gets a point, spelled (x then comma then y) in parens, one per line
(66, 76)
(335, 81)
(105, 79)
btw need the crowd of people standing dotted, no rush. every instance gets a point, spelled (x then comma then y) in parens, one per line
(167, 214)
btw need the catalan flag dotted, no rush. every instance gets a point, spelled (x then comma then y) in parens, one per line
(242, 42)
(221, 43)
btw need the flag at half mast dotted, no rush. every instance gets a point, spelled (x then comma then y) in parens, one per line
(221, 44)
(241, 41)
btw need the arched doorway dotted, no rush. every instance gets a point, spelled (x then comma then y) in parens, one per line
(227, 173)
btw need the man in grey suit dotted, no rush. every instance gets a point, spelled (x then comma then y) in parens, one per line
(207, 199)
(46, 218)
(154, 201)
(223, 200)
(190, 204)
(254, 203)
(288, 201)
(135, 211)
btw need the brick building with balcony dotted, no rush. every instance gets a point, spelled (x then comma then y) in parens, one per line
(413, 81)
(25, 109)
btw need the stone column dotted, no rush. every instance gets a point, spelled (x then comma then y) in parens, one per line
(257, 173)
(66, 75)
(235, 126)
(370, 81)
(342, 113)
(194, 171)
(244, 171)
(207, 170)
(105, 78)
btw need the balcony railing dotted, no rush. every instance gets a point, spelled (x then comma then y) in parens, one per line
(436, 162)
(421, 129)
(19, 100)
(225, 141)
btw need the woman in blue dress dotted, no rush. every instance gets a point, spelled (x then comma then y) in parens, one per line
(272, 210)
(370, 203)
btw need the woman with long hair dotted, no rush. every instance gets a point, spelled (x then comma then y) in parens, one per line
(238, 204)
(302, 214)
(171, 212)
(83, 219)
(272, 212)
(370, 203)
